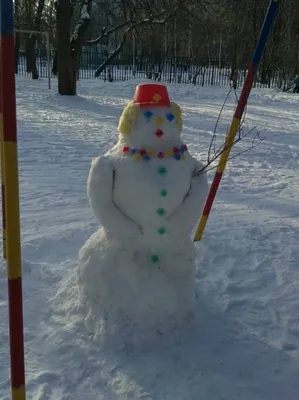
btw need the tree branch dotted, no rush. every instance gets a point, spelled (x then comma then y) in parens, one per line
(82, 25)
(125, 35)
(226, 146)
(133, 24)
(105, 33)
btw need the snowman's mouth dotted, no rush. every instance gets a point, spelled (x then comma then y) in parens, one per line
(159, 133)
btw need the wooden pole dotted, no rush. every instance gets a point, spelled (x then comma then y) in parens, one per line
(257, 56)
(2, 168)
(10, 160)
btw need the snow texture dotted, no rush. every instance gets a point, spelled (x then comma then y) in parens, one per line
(117, 275)
(244, 341)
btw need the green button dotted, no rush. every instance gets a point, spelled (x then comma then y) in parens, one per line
(154, 259)
(161, 211)
(162, 170)
(161, 230)
(163, 192)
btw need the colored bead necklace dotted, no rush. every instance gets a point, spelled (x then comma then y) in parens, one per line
(141, 154)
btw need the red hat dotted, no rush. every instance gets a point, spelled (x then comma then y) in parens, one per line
(151, 94)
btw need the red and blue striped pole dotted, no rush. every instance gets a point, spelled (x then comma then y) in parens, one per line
(257, 56)
(11, 180)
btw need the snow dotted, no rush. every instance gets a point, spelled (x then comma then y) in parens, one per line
(245, 341)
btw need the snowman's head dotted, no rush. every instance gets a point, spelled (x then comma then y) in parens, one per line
(153, 126)
(151, 120)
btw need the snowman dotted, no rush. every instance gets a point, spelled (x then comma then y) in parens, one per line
(139, 267)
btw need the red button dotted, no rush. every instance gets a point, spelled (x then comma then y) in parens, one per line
(159, 133)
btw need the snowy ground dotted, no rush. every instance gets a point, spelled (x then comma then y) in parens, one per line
(247, 344)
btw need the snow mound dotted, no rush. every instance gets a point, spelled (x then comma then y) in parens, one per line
(211, 358)
(125, 292)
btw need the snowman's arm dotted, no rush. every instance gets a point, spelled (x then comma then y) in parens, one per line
(188, 213)
(100, 194)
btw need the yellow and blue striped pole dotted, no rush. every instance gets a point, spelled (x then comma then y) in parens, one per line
(11, 179)
(260, 47)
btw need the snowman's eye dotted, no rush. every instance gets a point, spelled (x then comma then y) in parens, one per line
(170, 117)
(148, 114)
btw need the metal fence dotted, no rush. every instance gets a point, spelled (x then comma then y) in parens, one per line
(200, 71)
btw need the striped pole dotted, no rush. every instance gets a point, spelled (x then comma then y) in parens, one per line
(2, 169)
(261, 44)
(12, 202)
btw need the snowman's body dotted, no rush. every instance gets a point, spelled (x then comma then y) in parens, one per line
(141, 264)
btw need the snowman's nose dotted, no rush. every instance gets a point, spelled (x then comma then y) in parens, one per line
(159, 120)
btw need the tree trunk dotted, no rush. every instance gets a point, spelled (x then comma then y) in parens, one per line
(66, 69)
(234, 67)
(77, 38)
(30, 44)
(54, 68)
(31, 56)
(17, 52)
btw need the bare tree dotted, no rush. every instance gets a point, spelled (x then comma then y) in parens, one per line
(31, 54)
(162, 30)
(69, 47)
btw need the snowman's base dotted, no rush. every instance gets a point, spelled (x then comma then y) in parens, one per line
(121, 284)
